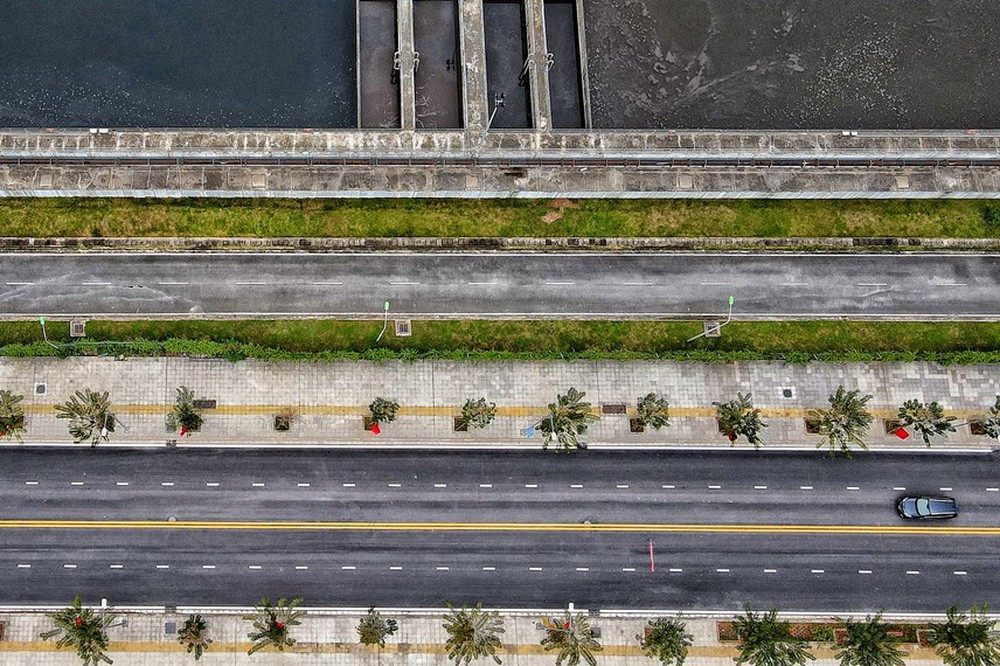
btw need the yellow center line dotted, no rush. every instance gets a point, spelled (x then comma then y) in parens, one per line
(887, 530)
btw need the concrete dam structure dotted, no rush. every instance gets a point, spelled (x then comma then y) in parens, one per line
(365, 98)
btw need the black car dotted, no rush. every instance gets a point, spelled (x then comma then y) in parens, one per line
(926, 507)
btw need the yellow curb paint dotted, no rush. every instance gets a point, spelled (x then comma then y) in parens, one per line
(884, 530)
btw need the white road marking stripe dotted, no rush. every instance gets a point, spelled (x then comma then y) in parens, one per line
(327, 284)
(622, 486)
(257, 485)
(582, 569)
(483, 284)
(628, 569)
(171, 284)
(912, 573)
(485, 485)
(873, 284)
(960, 573)
(167, 483)
(853, 488)
(760, 487)
(31, 483)
(805, 487)
(254, 567)
(714, 487)
(19, 284)
(576, 485)
(302, 485)
(722, 570)
(251, 284)
(993, 490)
(864, 571)
(769, 571)
(560, 284)
(395, 568)
(212, 484)
(667, 487)
(23, 566)
(348, 568)
(818, 571)
(301, 568)
(945, 489)
(440, 485)
(899, 487)
(116, 566)
(69, 566)
(441, 568)
(95, 284)
(675, 570)
(121, 483)
(534, 568)
(395, 485)
(76, 483)
(349, 485)
(489, 568)
(953, 284)
(208, 566)
(403, 283)
(162, 566)
(531, 485)
(715, 284)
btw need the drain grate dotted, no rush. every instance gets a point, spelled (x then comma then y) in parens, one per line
(613, 408)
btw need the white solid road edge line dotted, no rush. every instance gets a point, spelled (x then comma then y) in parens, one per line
(418, 611)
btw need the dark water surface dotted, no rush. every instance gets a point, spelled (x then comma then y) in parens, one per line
(178, 63)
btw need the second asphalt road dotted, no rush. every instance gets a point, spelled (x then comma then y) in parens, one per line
(502, 285)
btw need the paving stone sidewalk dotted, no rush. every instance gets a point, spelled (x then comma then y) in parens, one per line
(329, 400)
(331, 638)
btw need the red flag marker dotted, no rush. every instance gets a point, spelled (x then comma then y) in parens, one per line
(902, 434)
(184, 431)
(376, 430)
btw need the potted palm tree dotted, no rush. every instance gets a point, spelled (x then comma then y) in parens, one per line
(926, 419)
(845, 423)
(567, 421)
(869, 643)
(184, 416)
(966, 640)
(765, 641)
(472, 634)
(739, 418)
(374, 629)
(475, 414)
(193, 635)
(667, 640)
(272, 624)
(652, 410)
(574, 640)
(12, 421)
(83, 630)
(381, 410)
(90, 416)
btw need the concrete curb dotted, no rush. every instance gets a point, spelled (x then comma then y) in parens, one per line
(490, 244)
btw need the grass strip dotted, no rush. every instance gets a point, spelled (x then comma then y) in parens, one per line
(328, 340)
(268, 218)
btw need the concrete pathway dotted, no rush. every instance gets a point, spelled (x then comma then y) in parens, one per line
(331, 638)
(328, 401)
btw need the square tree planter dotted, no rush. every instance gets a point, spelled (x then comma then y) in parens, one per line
(368, 423)
(635, 425)
(812, 426)
(282, 422)
(459, 426)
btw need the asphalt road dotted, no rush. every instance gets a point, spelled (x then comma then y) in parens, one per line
(517, 529)
(502, 285)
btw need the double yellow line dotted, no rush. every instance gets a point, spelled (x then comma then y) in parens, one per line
(329, 526)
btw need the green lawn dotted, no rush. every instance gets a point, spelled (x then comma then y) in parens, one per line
(325, 339)
(464, 217)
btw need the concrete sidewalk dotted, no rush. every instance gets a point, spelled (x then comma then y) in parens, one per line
(329, 400)
(331, 638)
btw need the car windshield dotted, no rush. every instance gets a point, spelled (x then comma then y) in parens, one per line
(923, 507)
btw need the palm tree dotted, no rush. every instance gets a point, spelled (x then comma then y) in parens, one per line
(383, 410)
(766, 641)
(84, 630)
(666, 639)
(272, 624)
(472, 633)
(476, 414)
(566, 421)
(373, 628)
(12, 423)
(966, 640)
(185, 416)
(991, 424)
(739, 418)
(653, 410)
(869, 643)
(845, 423)
(90, 416)
(574, 640)
(193, 635)
(926, 419)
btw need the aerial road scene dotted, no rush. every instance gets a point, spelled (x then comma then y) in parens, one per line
(529, 332)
